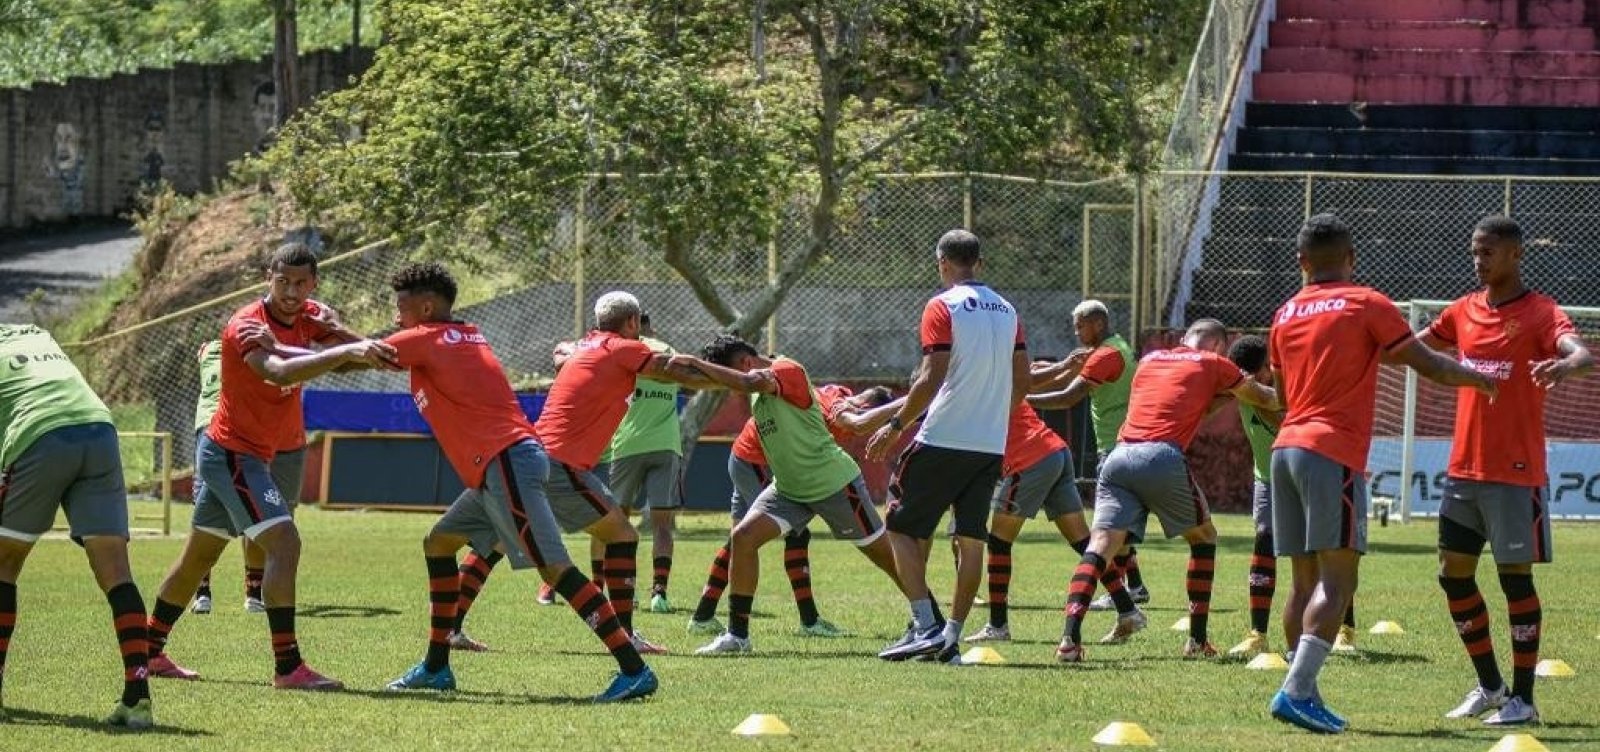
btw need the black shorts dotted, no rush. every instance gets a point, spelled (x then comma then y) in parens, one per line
(930, 480)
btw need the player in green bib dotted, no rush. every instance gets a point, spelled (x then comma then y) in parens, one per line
(1249, 353)
(58, 450)
(811, 475)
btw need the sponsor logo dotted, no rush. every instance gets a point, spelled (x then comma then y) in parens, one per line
(1262, 580)
(1463, 627)
(847, 531)
(973, 304)
(1515, 546)
(1315, 308)
(456, 337)
(1524, 632)
(1077, 609)
(1499, 370)
(21, 360)
(452, 336)
(421, 398)
(1169, 355)
(766, 427)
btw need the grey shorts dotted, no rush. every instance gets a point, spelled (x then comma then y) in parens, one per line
(1512, 519)
(579, 498)
(1317, 504)
(234, 493)
(1261, 506)
(510, 510)
(1047, 484)
(748, 481)
(287, 469)
(651, 480)
(849, 512)
(77, 469)
(1140, 479)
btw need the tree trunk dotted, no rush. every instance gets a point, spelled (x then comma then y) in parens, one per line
(355, 36)
(285, 60)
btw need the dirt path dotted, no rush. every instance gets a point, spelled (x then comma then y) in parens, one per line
(65, 265)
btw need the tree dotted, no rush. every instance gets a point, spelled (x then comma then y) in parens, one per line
(493, 110)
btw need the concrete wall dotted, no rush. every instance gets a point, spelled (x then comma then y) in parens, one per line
(85, 147)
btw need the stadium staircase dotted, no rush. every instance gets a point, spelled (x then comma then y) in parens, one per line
(1411, 87)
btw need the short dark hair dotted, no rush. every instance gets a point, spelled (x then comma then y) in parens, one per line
(293, 254)
(1207, 328)
(724, 348)
(1249, 353)
(644, 319)
(1323, 232)
(877, 396)
(426, 277)
(959, 247)
(1500, 226)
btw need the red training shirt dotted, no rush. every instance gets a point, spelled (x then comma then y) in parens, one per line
(1171, 392)
(462, 392)
(254, 416)
(1327, 342)
(1502, 441)
(1104, 366)
(1028, 440)
(589, 398)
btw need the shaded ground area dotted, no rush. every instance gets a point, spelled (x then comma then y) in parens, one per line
(63, 264)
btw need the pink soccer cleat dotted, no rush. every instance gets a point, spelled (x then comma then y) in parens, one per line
(304, 678)
(163, 667)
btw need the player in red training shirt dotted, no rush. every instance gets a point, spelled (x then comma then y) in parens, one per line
(1496, 478)
(1147, 473)
(461, 390)
(586, 404)
(1325, 346)
(258, 415)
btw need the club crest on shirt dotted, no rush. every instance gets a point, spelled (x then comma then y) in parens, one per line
(1512, 326)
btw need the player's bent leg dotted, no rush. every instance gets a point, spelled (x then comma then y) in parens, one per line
(1091, 569)
(255, 565)
(621, 569)
(755, 530)
(108, 559)
(663, 530)
(1003, 530)
(1202, 540)
(13, 553)
(1469, 613)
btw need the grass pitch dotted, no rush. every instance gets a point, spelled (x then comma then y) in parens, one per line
(363, 617)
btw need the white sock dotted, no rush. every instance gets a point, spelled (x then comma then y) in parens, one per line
(922, 613)
(952, 631)
(1308, 659)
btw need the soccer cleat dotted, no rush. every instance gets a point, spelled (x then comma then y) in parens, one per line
(1253, 644)
(547, 595)
(725, 643)
(925, 642)
(950, 654)
(1194, 649)
(1514, 713)
(254, 606)
(659, 604)
(625, 687)
(163, 667)
(708, 627)
(460, 640)
(905, 639)
(419, 677)
(1140, 595)
(304, 678)
(201, 605)
(1069, 651)
(990, 633)
(1127, 626)
(1478, 702)
(1346, 641)
(134, 718)
(646, 647)
(1307, 714)
(823, 628)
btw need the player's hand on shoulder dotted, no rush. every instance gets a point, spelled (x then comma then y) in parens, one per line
(562, 352)
(254, 334)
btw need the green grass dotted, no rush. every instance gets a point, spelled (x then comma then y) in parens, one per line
(363, 619)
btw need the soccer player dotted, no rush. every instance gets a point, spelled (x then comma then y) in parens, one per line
(811, 475)
(1103, 368)
(258, 415)
(1147, 473)
(974, 372)
(462, 391)
(1496, 477)
(58, 450)
(1324, 348)
(645, 461)
(1249, 353)
(586, 403)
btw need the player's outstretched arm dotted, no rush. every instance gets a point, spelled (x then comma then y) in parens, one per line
(930, 376)
(668, 367)
(699, 374)
(1021, 381)
(282, 371)
(1575, 360)
(1065, 398)
(1048, 376)
(1441, 368)
(1256, 394)
(862, 422)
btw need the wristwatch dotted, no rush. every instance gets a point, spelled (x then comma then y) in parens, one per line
(896, 424)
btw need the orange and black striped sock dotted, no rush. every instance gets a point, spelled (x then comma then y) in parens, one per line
(252, 582)
(999, 581)
(1130, 569)
(1080, 592)
(1350, 614)
(470, 577)
(1263, 581)
(1522, 600)
(128, 617)
(8, 622)
(739, 607)
(205, 587)
(797, 564)
(285, 648)
(591, 606)
(662, 574)
(444, 588)
(598, 572)
(1202, 568)
(1471, 618)
(162, 617)
(622, 567)
(1111, 578)
(716, 582)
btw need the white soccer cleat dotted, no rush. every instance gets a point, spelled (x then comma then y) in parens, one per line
(1514, 713)
(1478, 702)
(991, 633)
(1127, 626)
(202, 604)
(725, 643)
(254, 606)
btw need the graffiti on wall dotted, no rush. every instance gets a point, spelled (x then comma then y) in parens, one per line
(65, 163)
(154, 157)
(264, 113)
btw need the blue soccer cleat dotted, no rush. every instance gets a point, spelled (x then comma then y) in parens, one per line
(1307, 714)
(419, 677)
(629, 687)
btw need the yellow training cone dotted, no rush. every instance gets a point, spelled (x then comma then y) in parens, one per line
(1554, 668)
(1122, 734)
(1387, 627)
(1181, 625)
(1267, 662)
(1518, 743)
(984, 655)
(762, 725)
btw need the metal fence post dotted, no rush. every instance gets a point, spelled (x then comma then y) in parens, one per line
(578, 288)
(772, 279)
(1408, 428)
(1505, 207)
(166, 484)
(1308, 197)
(1136, 268)
(966, 201)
